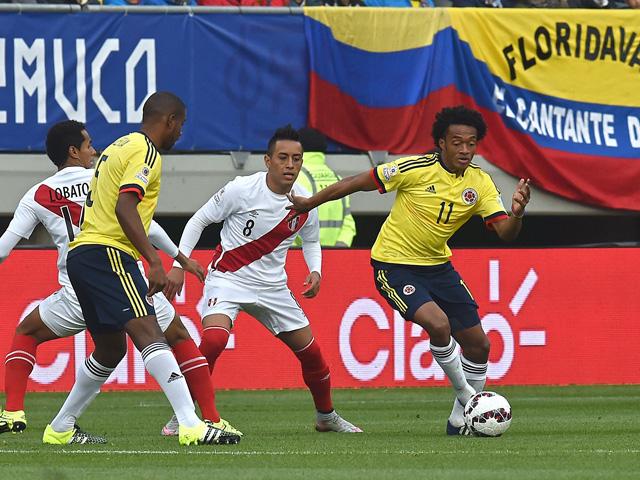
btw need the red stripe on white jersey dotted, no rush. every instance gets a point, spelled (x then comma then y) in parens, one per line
(47, 197)
(235, 259)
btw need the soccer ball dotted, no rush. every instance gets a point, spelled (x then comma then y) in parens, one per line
(487, 414)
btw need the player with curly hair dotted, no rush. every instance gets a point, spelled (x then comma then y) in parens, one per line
(437, 193)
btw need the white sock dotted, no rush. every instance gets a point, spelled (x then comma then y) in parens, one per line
(449, 360)
(162, 365)
(476, 375)
(325, 417)
(89, 379)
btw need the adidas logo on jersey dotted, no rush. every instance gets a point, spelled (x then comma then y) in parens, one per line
(431, 189)
(174, 376)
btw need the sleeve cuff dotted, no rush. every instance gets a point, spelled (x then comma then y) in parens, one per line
(376, 178)
(496, 217)
(132, 187)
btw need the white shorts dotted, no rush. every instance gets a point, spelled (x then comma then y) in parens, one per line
(277, 310)
(62, 314)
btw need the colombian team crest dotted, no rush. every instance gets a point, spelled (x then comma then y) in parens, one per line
(470, 196)
(408, 289)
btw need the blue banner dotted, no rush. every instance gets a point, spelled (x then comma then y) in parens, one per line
(241, 76)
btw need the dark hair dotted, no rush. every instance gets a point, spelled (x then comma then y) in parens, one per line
(459, 115)
(160, 104)
(62, 136)
(312, 140)
(283, 133)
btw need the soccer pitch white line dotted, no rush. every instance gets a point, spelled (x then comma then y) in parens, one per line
(378, 401)
(250, 453)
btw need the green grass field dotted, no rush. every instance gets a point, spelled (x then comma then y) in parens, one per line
(557, 433)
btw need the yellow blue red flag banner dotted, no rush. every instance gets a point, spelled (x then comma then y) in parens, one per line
(560, 93)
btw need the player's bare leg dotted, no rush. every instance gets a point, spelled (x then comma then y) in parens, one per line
(475, 356)
(19, 364)
(316, 375)
(194, 366)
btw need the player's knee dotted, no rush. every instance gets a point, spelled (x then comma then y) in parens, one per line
(437, 325)
(479, 351)
(484, 347)
(32, 326)
(112, 356)
(176, 333)
(24, 329)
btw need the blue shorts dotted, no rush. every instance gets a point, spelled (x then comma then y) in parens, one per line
(407, 287)
(109, 286)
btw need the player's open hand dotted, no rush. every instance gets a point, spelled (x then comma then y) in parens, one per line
(298, 203)
(157, 279)
(521, 197)
(175, 282)
(312, 282)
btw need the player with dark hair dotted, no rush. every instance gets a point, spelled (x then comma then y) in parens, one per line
(111, 290)
(247, 270)
(62, 136)
(437, 194)
(56, 203)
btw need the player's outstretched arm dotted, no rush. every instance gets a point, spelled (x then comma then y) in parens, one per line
(189, 239)
(313, 258)
(8, 241)
(363, 182)
(160, 239)
(509, 229)
(129, 219)
(22, 224)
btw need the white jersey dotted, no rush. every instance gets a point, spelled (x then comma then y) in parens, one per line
(57, 203)
(257, 232)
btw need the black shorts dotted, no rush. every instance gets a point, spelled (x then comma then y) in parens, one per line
(109, 286)
(407, 287)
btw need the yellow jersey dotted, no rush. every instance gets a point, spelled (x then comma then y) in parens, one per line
(431, 204)
(130, 164)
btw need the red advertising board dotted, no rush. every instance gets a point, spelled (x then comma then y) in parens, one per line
(554, 316)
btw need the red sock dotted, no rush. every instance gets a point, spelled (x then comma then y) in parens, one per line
(214, 341)
(315, 372)
(17, 368)
(195, 369)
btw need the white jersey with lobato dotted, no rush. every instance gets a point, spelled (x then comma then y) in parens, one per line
(258, 231)
(57, 203)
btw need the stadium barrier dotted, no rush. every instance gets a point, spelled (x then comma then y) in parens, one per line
(554, 316)
(242, 72)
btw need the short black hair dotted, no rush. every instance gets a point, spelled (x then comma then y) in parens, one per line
(60, 137)
(283, 133)
(459, 115)
(160, 104)
(312, 140)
